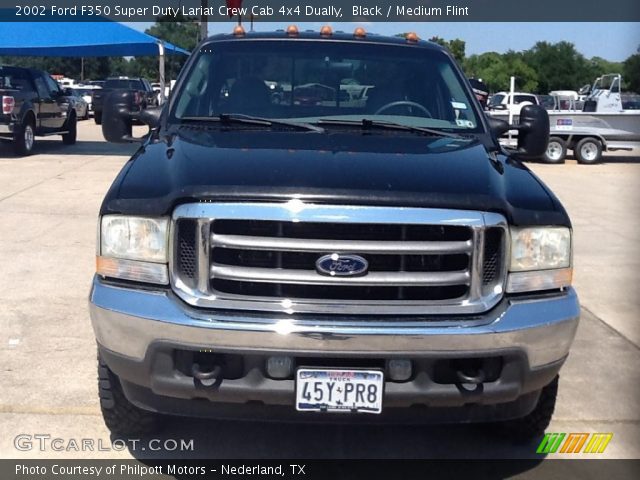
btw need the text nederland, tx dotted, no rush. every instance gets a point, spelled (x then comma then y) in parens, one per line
(142, 470)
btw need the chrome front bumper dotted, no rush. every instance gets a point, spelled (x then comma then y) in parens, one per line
(128, 321)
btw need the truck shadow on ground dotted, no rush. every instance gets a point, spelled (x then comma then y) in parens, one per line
(237, 440)
(54, 146)
(216, 439)
(606, 159)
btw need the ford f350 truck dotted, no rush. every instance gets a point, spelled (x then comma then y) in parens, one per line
(384, 260)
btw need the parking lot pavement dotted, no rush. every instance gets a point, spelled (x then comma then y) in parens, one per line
(48, 208)
(604, 204)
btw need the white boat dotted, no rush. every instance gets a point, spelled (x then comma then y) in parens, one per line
(589, 128)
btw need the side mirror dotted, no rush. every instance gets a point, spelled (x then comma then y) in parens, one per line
(533, 132)
(118, 117)
(150, 116)
(498, 126)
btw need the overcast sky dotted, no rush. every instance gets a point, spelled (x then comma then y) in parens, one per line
(613, 41)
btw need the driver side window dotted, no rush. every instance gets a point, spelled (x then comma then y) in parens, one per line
(41, 87)
(52, 85)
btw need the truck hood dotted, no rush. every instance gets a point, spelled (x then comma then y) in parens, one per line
(376, 168)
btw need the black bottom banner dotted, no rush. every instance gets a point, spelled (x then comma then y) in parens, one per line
(319, 469)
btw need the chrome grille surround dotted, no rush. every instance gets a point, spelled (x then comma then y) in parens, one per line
(198, 291)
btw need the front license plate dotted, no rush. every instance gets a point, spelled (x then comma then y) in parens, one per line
(329, 390)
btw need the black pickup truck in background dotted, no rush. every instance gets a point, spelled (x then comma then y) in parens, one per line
(144, 96)
(33, 104)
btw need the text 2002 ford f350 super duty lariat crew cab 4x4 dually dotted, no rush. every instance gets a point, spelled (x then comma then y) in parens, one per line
(283, 245)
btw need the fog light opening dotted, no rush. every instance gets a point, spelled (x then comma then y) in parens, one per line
(279, 367)
(399, 369)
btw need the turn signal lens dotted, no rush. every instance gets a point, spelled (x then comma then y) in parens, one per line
(519, 282)
(292, 30)
(360, 32)
(133, 270)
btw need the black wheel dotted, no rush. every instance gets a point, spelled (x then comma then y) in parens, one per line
(588, 151)
(24, 137)
(72, 129)
(121, 416)
(534, 424)
(97, 117)
(556, 151)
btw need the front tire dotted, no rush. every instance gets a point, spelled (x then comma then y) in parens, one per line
(534, 424)
(121, 416)
(24, 138)
(588, 151)
(72, 129)
(556, 151)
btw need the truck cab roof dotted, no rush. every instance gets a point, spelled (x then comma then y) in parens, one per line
(317, 36)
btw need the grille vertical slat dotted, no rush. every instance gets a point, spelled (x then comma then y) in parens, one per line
(492, 256)
(186, 250)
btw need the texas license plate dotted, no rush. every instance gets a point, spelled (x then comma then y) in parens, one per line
(329, 390)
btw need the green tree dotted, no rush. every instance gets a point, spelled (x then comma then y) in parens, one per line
(180, 31)
(631, 72)
(559, 66)
(456, 47)
(600, 66)
(496, 70)
(95, 68)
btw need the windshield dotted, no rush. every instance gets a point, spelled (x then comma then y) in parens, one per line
(14, 79)
(496, 100)
(124, 84)
(314, 81)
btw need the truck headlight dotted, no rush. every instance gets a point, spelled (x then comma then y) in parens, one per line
(133, 248)
(540, 259)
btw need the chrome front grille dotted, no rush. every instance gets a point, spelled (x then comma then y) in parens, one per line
(262, 257)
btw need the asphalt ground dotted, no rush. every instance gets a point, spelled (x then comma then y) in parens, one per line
(48, 212)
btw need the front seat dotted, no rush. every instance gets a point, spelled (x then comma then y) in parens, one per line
(249, 95)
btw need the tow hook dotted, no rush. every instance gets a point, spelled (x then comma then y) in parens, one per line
(471, 383)
(206, 378)
(478, 378)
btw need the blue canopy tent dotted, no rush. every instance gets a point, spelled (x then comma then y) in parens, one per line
(82, 39)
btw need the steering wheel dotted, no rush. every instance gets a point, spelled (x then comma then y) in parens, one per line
(405, 103)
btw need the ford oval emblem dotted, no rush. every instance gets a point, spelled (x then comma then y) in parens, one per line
(337, 265)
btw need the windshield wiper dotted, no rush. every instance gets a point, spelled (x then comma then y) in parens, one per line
(366, 123)
(231, 118)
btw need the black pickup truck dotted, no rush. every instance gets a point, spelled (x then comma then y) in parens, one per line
(373, 255)
(33, 104)
(140, 89)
